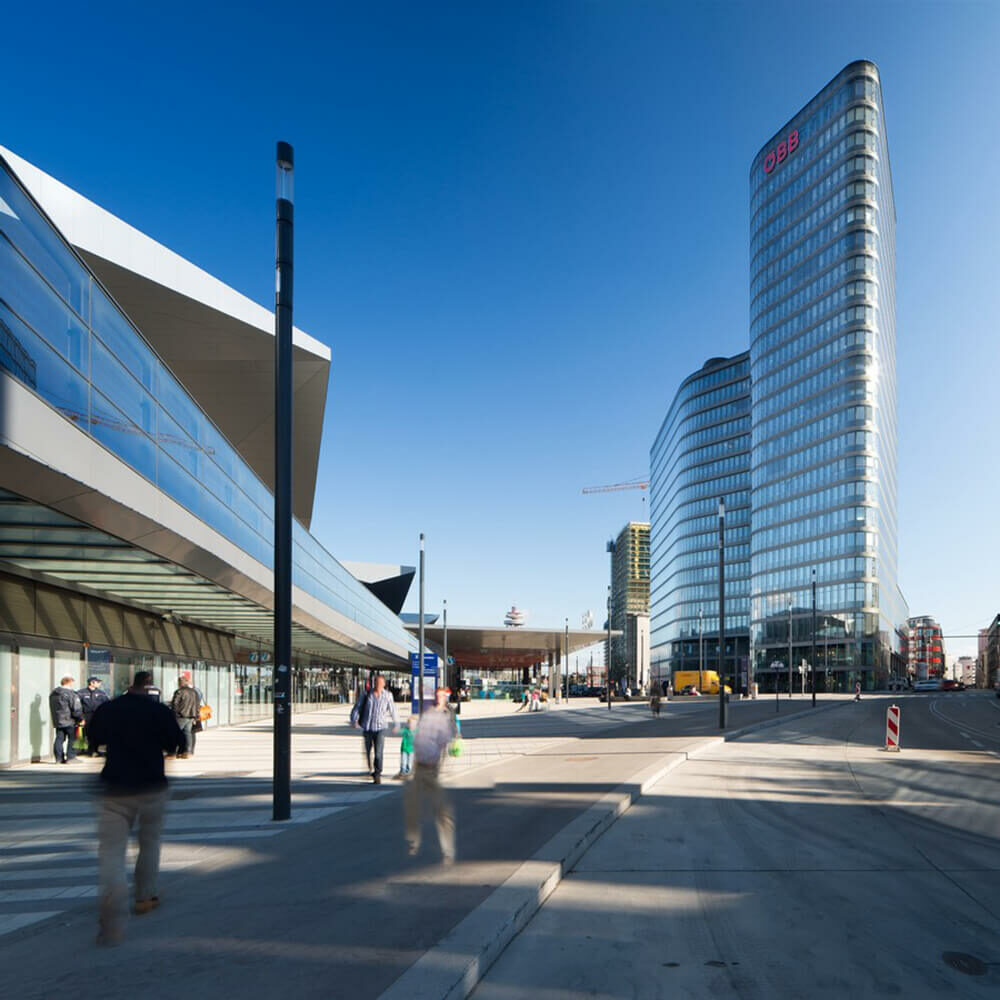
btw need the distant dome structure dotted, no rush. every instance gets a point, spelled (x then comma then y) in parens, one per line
(514, 618)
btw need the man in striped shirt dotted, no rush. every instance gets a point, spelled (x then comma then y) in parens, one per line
(373, 714)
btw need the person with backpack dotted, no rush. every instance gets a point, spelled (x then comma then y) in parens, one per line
(373, 714)
(66, 711)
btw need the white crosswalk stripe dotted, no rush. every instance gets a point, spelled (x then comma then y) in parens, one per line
(48, 854)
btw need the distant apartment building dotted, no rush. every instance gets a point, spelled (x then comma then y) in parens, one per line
(965, 670)
(630, 604)
(989, 656)
(924, 649)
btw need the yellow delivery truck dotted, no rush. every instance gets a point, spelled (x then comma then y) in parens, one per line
(709, 683)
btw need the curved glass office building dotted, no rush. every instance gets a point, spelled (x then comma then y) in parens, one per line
(701, 453)
(823, 373)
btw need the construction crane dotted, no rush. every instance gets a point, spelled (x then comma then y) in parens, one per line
(633, 484)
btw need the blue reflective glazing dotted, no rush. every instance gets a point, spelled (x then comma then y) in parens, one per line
(64, 337)
(702, 452)
(822, 355)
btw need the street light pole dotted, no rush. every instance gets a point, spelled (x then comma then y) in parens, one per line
(420, 648)
(789, 647)
(722, 614)
(814, 642)
(454, 679)
(611, 571)
(607, 670)
(283, 387)
(701, 654)
(567, 660)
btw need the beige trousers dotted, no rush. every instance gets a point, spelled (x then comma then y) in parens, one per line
(425, 786)
(117, 814)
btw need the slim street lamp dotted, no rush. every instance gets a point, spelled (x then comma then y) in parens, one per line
(607, 669)
(722, 614)
(420, 648)
(611, 570)
(814, 642)
(701, 654)
(789, 648)
(567, 660)
(283, 383)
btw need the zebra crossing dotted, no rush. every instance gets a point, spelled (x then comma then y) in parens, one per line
(48, 834)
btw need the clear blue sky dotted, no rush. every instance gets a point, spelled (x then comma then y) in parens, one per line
(519, 225)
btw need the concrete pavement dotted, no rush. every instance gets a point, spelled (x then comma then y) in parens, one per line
(798, 861)
(335, 900)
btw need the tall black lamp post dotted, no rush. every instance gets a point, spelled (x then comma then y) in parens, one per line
(282, 778)
(722, 614)
(813, 665)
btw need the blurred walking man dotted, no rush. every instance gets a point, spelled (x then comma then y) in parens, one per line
(137, 731)
(373, 714)
(435, 730)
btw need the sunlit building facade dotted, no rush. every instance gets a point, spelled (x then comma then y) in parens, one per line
(823, 377)
(701, 453)
(136, 467)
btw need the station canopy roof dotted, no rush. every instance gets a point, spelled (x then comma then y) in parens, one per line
(499, 648)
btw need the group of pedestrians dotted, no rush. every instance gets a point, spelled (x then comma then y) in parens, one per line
(71, 709)
(139, 733)
(422, 750)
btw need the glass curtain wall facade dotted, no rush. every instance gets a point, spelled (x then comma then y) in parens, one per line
(701, 453)
(823, 372)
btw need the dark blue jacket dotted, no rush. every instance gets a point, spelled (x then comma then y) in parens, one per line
(137, 731)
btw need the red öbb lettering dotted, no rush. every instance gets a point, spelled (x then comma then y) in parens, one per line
(782, 151)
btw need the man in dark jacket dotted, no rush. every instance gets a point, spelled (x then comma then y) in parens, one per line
(186, 704)
(138, 731)
(91, 698)
(66, 710)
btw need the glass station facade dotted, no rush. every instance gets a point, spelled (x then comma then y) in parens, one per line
(823, 386)
(701, 453)
(65, 339)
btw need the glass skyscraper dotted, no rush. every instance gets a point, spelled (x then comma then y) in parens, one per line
(798, 435)
(701, 453)
(823, 387)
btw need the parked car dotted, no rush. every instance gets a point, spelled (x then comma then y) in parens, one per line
(691, 689)
(927, 685)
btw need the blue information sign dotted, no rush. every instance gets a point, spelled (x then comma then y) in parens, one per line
(430, 678)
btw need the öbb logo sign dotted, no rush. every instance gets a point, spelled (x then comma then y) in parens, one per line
(782, 151)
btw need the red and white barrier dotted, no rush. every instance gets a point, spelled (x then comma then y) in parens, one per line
(892, 728)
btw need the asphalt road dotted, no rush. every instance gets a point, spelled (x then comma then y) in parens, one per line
(800, 861)
(334, 907)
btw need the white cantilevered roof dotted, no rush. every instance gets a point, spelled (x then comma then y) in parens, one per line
(216, 341)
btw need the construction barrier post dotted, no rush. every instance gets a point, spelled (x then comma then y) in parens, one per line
(892, 728)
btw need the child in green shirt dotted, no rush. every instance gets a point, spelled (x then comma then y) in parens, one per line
(406, 750)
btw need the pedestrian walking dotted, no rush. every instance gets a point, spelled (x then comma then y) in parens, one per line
(524, 700)
(91, 698)
(654, 703)
(857, 690)
(436, 729)
(374, 713)
(406, 750)
(137, 730)
(66, 712)
(186, 706)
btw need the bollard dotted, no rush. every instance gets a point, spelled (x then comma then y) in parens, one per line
(892, 728)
